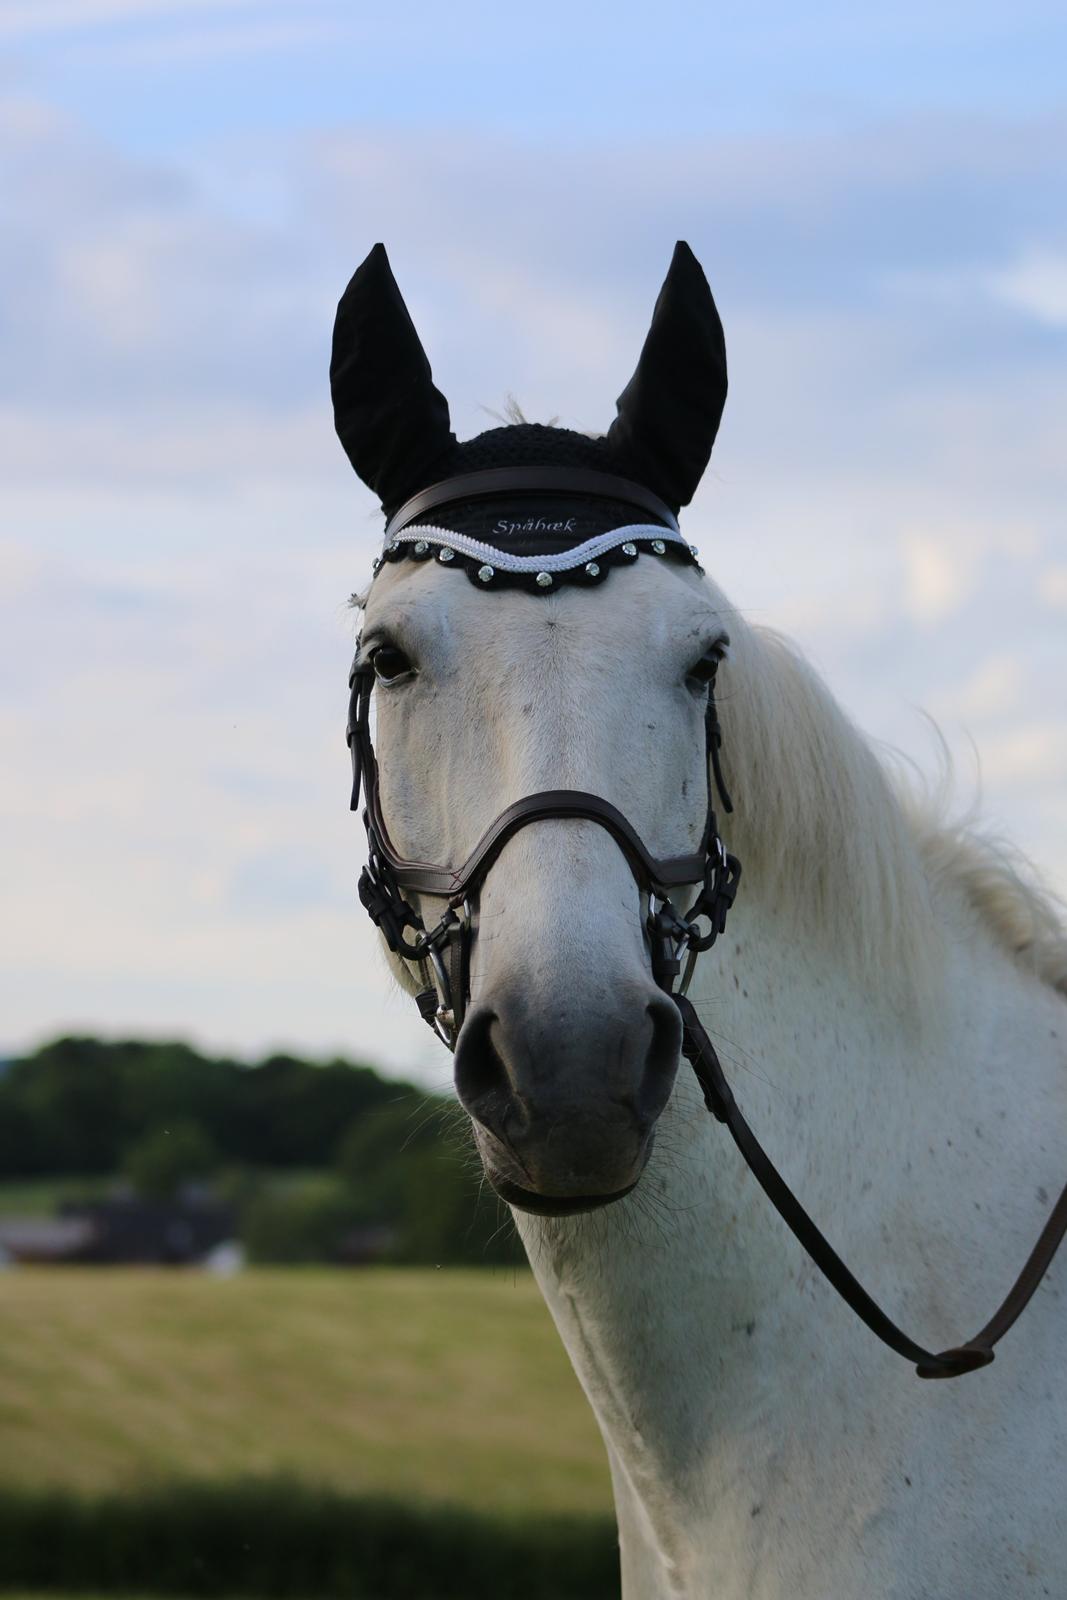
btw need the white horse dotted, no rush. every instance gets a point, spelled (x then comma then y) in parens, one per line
(889, 1002)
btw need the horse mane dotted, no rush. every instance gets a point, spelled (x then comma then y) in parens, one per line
(854, 844)
(1000, 885)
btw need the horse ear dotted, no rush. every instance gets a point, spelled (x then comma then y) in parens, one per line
(668, 414)
(390, 418)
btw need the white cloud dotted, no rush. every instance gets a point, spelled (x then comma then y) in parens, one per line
(20, 21)
(1052, 587)
(1035, 283)
(109, 282)
(992, 691)
(939, 578)
(1034, 752)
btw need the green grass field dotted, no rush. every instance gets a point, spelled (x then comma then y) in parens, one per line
(435, 1387)
(42, 1197)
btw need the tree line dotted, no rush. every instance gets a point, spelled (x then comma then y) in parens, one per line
(77, 1104)
(305, 1152)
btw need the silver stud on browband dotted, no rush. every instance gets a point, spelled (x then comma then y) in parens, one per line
(487, 574)
(693, 551)
(445, 554)
(376, 565)
(544, 580)
(629, 549)
(421, 547)
(592, 569)
(394, 544)
(658, 546)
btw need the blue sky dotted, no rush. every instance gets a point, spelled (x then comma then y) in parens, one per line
(880, 203)
(166, 76)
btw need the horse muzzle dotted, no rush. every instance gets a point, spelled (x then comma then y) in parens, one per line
(564, 1100)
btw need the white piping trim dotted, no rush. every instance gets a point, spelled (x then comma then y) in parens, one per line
(562, 561)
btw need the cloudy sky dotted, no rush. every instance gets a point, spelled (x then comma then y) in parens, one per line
(880, 203)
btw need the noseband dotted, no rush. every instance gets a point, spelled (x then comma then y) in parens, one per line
(442, 953)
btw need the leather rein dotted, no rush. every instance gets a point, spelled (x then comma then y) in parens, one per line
(441, 956)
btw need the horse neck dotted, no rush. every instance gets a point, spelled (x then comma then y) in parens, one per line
(915, 1138)
(686, 1274)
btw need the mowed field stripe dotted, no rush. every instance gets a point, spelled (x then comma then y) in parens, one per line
(439, 1385)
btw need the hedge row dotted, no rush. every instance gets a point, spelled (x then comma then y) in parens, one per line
(286, 1539)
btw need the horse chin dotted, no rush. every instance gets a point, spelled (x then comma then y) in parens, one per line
(554, 1205)
(559, 1157)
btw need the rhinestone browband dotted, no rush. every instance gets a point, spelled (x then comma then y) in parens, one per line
(489, 567)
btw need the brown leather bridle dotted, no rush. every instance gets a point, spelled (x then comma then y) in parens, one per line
(442, 953)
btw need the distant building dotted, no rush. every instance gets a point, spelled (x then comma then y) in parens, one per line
(43, 1239)
(122, 1230)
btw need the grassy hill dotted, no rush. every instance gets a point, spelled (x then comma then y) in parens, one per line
(436, 1387)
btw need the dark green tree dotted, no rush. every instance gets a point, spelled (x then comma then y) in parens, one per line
(412, 1164)
(167, 1158)
(77, 1104)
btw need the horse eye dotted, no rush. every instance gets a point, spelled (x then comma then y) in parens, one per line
(391, 664)
(702, 672)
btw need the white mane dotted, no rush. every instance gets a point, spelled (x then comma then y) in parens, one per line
(848, 841)
(1001, 885)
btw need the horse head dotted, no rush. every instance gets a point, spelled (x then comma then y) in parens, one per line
(547, 672)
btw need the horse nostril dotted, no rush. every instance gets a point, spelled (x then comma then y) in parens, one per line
(661, 1059)
(482, 1082)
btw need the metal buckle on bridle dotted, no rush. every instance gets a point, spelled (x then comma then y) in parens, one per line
(676, 938)
(443, 951)
(669, 936)
(443, 1005)
(384, 903)
(716, 897)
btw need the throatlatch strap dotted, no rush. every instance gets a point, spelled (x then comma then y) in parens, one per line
(977, 1352)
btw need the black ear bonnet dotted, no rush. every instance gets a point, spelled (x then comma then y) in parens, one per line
(394, 425)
